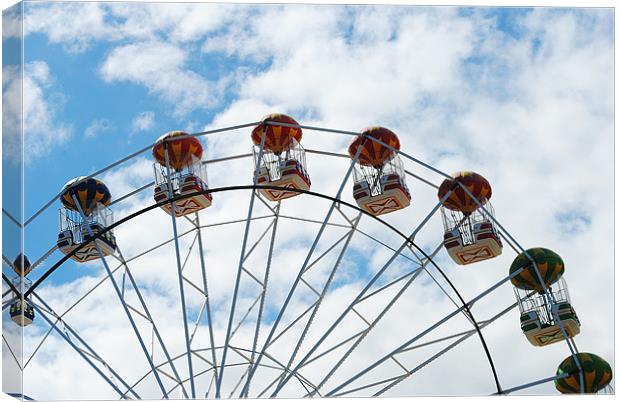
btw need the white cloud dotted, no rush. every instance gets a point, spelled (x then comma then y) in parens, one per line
(40, 72)
(41, 128)
(97, 127)
(12, 114)
(12, 23)
(160, 67)
(143, 122)
(176, 22)
(389, 77)
(77, 26)
(74, 25)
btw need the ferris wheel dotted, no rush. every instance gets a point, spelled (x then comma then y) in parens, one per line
(288, 272)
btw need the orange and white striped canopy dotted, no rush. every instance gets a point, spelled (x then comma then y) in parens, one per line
(277, 138)
(459, 200)
(182, 149)
(373, 153)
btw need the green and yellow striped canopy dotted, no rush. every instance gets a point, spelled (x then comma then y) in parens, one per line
(596, 374)
(549, 264)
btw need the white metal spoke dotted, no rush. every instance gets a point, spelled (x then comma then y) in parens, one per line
(66, 337)
(420, 335)
(6, 343)
(241, 258)
(320, 299)
(303, 267)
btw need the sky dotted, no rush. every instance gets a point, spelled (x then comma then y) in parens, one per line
(522, 96)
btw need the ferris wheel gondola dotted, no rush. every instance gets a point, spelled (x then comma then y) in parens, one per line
(22, 313)
(543, 320)
(469, 234)
(282, 158)
(21, 310)
(85, 214)
(380, 185)
(179, 171)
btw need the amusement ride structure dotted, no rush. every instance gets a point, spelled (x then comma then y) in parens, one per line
(299, 339)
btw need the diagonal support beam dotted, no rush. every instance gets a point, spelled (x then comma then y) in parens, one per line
(43, 313)
(261, 307)
(303, 267)
(444, 350)
(209, 316)
(372, 325)
(318, 304)
(180, 273)
(405, 345)
(218, 382)
(367, 287)
(120, 298)
(149, 317)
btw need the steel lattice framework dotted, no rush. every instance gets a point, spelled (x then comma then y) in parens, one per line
(247, 358)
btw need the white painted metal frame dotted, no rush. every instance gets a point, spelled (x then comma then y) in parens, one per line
(292, 369)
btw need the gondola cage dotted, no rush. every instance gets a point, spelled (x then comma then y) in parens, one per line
(469, 234)
(182, 171)
(283, 161)
(80, 222)
(542, 321)
(379, 177)
(21, 311)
